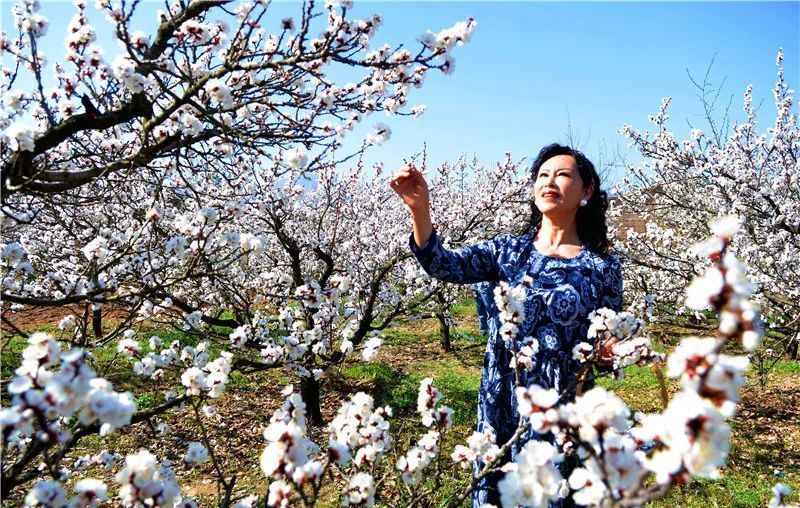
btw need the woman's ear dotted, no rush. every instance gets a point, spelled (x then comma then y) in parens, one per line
(587, 193)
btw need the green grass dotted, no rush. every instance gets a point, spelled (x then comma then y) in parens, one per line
(395, 337)
(730, 490)
(464, 308)
(399, 389)
(639, 388)
(144, 401)
(787, 367)
(374, 371)
(10, 355)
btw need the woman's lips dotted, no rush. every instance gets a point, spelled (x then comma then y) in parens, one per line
(550, 195)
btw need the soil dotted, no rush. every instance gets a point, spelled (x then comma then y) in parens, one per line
(31, 318)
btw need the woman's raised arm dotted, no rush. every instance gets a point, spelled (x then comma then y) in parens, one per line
(410, 185)
(471, 264)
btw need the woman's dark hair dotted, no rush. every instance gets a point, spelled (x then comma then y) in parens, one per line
(591, 219)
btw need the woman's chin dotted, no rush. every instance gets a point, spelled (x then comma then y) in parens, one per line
(550, 208)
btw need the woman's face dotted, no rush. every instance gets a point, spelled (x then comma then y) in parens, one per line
(558, 187)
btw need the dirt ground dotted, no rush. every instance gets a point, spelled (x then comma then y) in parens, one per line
(31, 318)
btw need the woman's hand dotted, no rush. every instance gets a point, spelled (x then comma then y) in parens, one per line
(605, 355)
(412, 188)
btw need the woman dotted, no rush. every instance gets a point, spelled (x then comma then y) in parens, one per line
(565, 251)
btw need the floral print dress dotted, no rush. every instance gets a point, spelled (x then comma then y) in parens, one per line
(563, 293)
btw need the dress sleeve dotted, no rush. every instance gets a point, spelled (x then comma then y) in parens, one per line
(475, 263)
(612, 287)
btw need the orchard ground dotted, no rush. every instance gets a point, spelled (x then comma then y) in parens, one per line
(765, 444)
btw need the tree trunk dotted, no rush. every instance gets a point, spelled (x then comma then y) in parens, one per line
(97, 323)
(309, 390)
(792, 347)
(444, 332)
(444, 327)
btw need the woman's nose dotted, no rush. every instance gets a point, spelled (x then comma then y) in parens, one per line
(549, 181)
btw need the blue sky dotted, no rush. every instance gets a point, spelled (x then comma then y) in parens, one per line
(532, 68)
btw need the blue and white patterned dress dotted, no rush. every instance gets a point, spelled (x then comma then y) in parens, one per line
(564, 292)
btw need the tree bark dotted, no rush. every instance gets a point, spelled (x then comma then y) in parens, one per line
(444, 326)
(310, 391)
(792, 347)
(97, 323)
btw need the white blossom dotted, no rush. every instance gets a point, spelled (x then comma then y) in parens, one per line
(196, 453)
(296, 157)
(21, 137)
(360, 491)
(145, 482)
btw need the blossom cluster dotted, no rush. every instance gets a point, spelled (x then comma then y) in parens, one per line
(211, 378)
(146, 481)
(510, 300)
(412, 465)
(359, 432)
(197, 373)
(89, 492)
(480, 446)
(619, 330)
(358, 437)
(539, 406)
(288, 451)
(533, 479)
(142, 480)
(427, 401)
(360, 491)
(51, 386)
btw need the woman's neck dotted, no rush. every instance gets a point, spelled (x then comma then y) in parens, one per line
(553, 232)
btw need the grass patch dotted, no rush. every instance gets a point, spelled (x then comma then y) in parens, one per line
(464, 308)
(787, 367)
(639, 388)
(734, 488)
(398, 336)
(399, 388)
(10, 355)
(144, 401)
